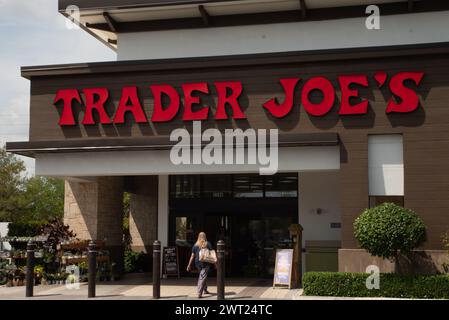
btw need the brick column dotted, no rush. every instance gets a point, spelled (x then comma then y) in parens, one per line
(94, 210)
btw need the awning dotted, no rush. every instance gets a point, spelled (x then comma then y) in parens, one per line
(151, 156)
(31, 148)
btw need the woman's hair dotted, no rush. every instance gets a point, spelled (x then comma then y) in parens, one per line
(202, 240)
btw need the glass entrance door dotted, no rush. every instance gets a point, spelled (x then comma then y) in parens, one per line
(250, 213)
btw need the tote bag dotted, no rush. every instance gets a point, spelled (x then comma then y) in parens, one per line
(208, 256)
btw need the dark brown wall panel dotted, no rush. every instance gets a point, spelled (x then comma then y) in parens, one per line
(426, 131)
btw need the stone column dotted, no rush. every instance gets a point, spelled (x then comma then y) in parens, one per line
(110, 218)
(80, 208)
(94, 210)
(143, 213)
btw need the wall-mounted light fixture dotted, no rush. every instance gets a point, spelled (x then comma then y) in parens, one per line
(317, 211)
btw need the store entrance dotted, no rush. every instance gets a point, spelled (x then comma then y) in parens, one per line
(251, 213)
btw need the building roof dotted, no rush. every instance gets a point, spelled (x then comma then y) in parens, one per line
(104, 19)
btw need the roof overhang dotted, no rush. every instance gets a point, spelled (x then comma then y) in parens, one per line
(32, 148)
(106, 18)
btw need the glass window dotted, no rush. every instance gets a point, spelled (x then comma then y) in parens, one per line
(185, 186)
(283, 185)
(385, 164)
(185, 233)
(217, 186)
(248, 186)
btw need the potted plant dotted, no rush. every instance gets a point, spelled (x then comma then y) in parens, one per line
(58, 278)
(10, 279)
(38, 272)
(19, 277)
(44, 280)
(61, 277)
(3, 273)
(64, 276)
(83, 267)
(10, 270)
(49, 278)
(52, 278)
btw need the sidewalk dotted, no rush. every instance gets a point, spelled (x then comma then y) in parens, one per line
(138, 287)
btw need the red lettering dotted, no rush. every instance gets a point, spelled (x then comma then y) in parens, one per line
(232, 100)
(67, 96)
(98, 105)
(159, 113)
(323, 85)
(190, 100)
(380, 77)
(346, 94)
(409, 98)
(129, 93)
(281, 110)
(404, 99)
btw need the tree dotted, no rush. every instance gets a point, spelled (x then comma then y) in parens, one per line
(42, 199)
(389, 230)
(11, 185)
(56, 232)
(27, 199)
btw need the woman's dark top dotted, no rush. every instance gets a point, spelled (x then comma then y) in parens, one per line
(196, 250)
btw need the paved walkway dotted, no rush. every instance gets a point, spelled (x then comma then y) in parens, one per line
(138, 287)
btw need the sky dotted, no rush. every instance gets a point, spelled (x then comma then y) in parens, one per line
(33, 32)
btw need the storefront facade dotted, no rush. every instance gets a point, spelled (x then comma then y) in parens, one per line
(362, 119)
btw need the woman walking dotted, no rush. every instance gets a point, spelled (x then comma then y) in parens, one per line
(203, 267)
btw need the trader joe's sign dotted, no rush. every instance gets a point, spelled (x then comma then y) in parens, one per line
(167, 99)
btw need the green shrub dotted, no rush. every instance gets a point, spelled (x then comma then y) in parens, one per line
(24, 228)
(343, 284)
(388, 229)
(445, 239)
(135, 261)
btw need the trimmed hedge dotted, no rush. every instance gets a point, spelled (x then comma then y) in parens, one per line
(344, 284)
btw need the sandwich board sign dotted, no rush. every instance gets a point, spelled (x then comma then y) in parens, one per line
(283, 268)
(170, 262)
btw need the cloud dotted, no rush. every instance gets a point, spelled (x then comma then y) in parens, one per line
(15, 117)
(15, 10)
(35, 33)
(14, 125)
